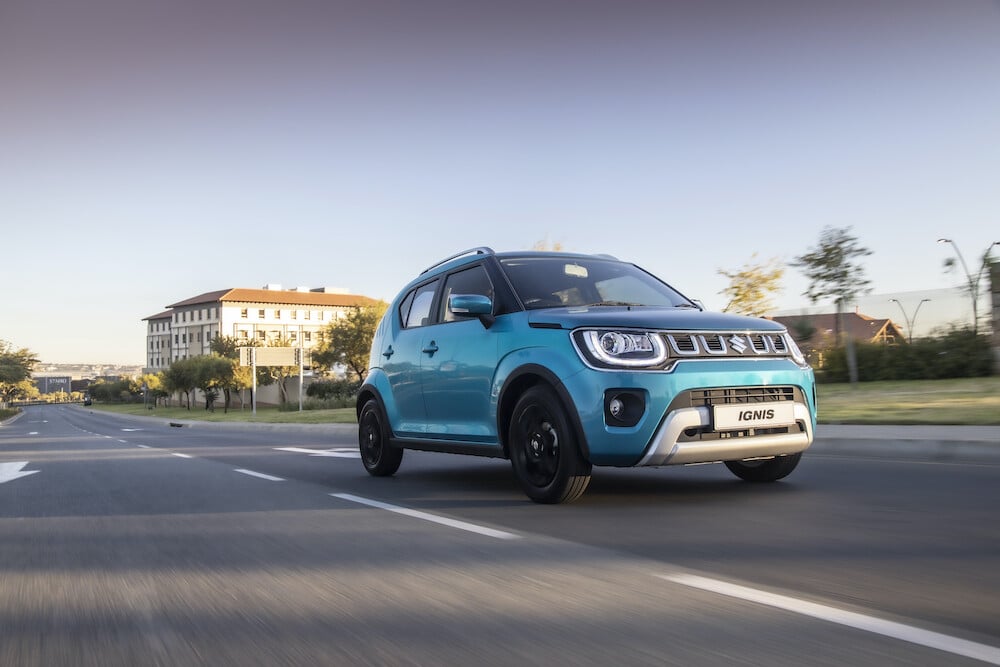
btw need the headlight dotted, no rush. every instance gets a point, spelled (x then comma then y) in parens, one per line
(630, 349)
(796, 353)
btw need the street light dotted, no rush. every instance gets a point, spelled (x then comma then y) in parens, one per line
(973, 282)
(910, 321)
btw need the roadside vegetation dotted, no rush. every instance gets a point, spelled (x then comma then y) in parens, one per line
(7, 413)
(966, 401)
(956, 401)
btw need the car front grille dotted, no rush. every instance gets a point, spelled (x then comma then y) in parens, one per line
(736, 395)
(733, 395)
(694, 345)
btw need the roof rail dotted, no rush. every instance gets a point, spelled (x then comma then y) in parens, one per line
(481, 250)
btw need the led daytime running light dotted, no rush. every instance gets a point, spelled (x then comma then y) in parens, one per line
(626, 348)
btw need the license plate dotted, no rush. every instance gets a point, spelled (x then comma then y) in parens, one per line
(752, 415)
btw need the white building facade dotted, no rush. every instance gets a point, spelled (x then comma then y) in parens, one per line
(187, 328)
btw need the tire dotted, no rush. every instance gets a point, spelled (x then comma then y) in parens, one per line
(764, 470)
(379, 457)
(543, 449)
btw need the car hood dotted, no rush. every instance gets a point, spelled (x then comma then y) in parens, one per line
(647, 317)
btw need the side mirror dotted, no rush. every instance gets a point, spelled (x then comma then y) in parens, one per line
(472, 305)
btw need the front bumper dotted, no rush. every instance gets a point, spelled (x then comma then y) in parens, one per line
(667, 447)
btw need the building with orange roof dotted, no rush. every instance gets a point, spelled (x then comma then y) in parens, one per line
(187, 328)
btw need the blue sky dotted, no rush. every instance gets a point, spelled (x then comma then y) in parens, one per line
(151, 151)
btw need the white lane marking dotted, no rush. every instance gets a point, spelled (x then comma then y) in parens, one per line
(12, 470)
(259, 474)
(32, 432)
(416, 514)
(144, 446)
(124, 442)
(907, 633)
(130, 430)
(183, 456)
(337, 452)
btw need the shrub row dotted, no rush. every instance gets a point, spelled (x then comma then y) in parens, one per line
(954, 354)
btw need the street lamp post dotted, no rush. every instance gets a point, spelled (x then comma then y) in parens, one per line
(973, 282)
(909, 321)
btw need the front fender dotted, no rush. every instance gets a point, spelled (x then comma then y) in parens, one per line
(528, 367)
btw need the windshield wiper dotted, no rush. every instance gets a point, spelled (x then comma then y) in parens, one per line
(612, 303)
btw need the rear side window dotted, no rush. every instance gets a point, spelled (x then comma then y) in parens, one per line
(469, 281)
(415, 310)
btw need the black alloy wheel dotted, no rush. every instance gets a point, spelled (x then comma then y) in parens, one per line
(543, 449)
(379, 457)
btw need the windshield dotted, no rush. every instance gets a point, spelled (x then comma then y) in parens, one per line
(548, 282)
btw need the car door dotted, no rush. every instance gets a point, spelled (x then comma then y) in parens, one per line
(458, 363)
(403, 355)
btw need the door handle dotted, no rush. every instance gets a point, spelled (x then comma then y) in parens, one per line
(431, 348)
(388, 352)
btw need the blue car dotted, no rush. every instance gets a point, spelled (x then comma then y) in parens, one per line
(560, 362)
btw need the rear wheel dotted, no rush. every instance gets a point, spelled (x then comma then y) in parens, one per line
(543, 449)
(764, 470)
(379, 457)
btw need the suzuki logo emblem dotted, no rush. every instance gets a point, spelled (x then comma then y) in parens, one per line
(737, 343)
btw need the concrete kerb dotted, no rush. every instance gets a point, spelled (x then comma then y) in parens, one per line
(939, 443)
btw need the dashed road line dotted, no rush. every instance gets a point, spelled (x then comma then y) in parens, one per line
(260, 475)
(144, 446)
(416, 514)
(901, 631)
(182, 456)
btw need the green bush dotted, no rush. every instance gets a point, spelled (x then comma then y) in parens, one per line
(340, 390)
(956, 353)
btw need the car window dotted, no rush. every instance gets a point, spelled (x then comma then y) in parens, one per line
(420, 307)
(545, 282)
(468, 281)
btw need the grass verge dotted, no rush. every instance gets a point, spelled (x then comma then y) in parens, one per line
(972, 401)
(265, 414)
(967, 401)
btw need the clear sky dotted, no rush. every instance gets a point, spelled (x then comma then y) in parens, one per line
(152, 151)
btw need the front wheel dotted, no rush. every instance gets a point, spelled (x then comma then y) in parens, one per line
(379, 457)
(543, 449)
(764, 470)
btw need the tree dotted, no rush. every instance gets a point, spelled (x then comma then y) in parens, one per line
(16, 367)
(210, 372)
(750, 287)
(548, 246)
(181, 377)
(239, 377)
(348, 340)
(834, 272)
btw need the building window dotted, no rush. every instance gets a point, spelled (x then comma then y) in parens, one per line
(184, 338)
(242, 333)
(176, 339)
(308, 314)
(293, 335)
(243, 313)
(199, 336)
(261, 335)
(277, 314)
(260, 314)
(307, 335)
(295, 314)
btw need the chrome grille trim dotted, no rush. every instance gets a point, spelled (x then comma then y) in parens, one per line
(715, 344)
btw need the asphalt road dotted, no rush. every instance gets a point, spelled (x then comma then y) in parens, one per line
(134, 543)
